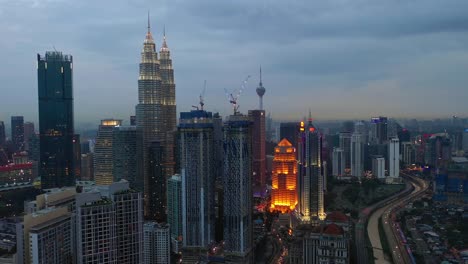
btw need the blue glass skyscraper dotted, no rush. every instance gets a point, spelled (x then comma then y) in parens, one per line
(56, 130)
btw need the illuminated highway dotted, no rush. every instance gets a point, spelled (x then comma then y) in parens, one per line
(398, 250)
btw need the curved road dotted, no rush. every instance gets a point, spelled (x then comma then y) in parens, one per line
(399, 253)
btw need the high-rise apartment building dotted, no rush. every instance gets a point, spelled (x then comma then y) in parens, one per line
(157, 203)
(310, 180)
(408, 153)
(87, 167)
(378, 167)
(124, 154)
(17, 131)
(357, 155)
(258, 150)
(103, 159)
(109, 225)
(56, 127)
(394, 158)
(155, 119)
(284, 178)
(174, 210)
(338, 162)
(196, 140)
(157, 246)
(238, 189)
(345, 145)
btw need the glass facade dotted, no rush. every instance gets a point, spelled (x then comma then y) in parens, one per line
(55, 88)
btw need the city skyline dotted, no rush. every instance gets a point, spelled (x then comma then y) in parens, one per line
(350, 54)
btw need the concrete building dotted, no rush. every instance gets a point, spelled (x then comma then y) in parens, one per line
(124, 156)
(28, 133)
(357, 155)
(379, 130)
(87, 167)
(290, 131)
(258, 150)
(17, 132)
(2, 134)
(408, 153)
(378, 167)
(394, 158)
(157, 243)
(345, 145)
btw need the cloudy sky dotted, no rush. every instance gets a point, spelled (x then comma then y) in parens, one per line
(340, 58)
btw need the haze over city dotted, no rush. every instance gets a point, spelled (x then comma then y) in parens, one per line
(343, 59)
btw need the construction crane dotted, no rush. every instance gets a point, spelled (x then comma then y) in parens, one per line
(202, 99)
(233, 97)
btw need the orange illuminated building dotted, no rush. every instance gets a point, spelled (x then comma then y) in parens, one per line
(283, 193)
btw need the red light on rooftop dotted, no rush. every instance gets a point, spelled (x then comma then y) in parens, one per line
(311, 129)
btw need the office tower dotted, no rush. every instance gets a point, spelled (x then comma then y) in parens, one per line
(133, 120)
(157, 246)
(357, 155)
(260, 91)
(17, 131)
(85, 147)
(155, 116)
(258, 150)
(156, 184)
(2, 134)
(174, 210)
(438, 151)
(378, 167)
(198, 180)
(408, 153)
(56, 129)
(345, 145)
(103, 160)
(310, 180)
(338, 162)
(290, 131)
(360, 127)
(28, 132)
(394, 158)
(379, 134)
(218, 143)
(109, 224)
(34, 150)
(87, 167)
(284, 178)
(124, 154)
(404, 135)
(237, 189)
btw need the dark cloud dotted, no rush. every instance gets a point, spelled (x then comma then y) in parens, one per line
(342, 58)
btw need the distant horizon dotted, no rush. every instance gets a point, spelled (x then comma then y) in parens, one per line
(342, 60)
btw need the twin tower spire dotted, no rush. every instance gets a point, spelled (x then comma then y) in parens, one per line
(149, 36)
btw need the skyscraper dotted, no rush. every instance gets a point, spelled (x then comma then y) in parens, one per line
(103, 160)
(2, 134)
(238, 189)
(28, 132)
(290, 131)
(157, 246)
(56, 129)
(124, 154)
(394, 158)
(196, 134)
(379, 133)
(378, 167)
(357, 155)
(338, 162)
(258, 150)
(174, 210)
(155, 115)
(17, 131)
(310, 180)
(284, 178)
(345, 145)
(156, 205)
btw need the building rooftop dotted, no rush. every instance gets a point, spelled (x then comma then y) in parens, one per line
(333, 229)
(338, 217)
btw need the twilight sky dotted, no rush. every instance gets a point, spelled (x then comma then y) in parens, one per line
(340, 58)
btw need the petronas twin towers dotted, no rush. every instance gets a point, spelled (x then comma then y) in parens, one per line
(156, 124)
